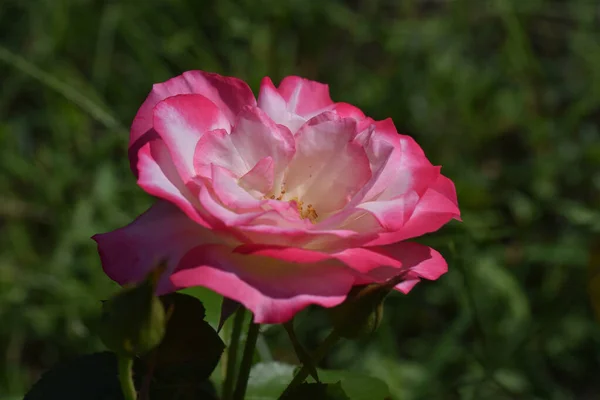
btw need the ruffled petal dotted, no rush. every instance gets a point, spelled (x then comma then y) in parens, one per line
(297, 100)
(345, 110)
(305, 97)
(328, 168)
(231, 194)
(254, 137)
(259, 179)
(181, 121)
(418, 260)
(433, 211)
(159, 177)
(227, 93)
(272, 103)
(274, 290)
(394, 213)
(163, 233)
(373, 264)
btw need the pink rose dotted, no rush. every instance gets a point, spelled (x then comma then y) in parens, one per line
(277, 203)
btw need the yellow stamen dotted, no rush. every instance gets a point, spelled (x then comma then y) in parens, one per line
(309, 213)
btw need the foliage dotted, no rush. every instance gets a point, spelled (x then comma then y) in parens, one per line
(503, 93)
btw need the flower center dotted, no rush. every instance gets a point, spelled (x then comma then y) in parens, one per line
(307, 212)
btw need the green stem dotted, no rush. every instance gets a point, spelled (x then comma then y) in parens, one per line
(126, 377)
(318, 355)
(145, 389)
(244, 374)
(228, 382)
(301, 353)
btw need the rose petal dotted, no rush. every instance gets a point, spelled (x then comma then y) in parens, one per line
(298, 100)
(405, 166)
(256, 136)
(373, 264)
(162, 233)
(260, 178)
(159, 177)
(328, 167)
(433, 211)
(181, 121)
(272, 103)
(421, 262)
(392, 214)
(232, 195)
(266, 229)
(253, 138)
(345, 110)
(305, 97)
(445, 186)
(227, 93)
(272, 289)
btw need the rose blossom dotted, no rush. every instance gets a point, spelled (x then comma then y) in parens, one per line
(277, 203)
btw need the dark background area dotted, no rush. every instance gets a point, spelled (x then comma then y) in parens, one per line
(504, 94)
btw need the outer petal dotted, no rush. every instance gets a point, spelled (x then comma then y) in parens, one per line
(271, 102)
(404, 168)
(227, 93)
(298, 99)
(159, 177)
(420, 261)
(181, 121)
(274, 290)
(374, 264)
(392, 214)
(161, 233)
(304, 97)
(345, 110)
(433, 211)
(445, 186)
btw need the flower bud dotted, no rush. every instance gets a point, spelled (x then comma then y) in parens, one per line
(133, 321)
(361, 313)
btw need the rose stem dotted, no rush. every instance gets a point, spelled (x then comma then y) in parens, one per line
(126, 377)
(318, 355)
(228, 382)
(242, 381)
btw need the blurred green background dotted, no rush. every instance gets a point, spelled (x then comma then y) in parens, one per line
(504, 94)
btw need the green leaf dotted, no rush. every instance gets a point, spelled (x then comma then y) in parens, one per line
(357, 385)
(211, 301)
(95, 377)
(90, 377)
(317, 391)
(191, 347)
(269, 380)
